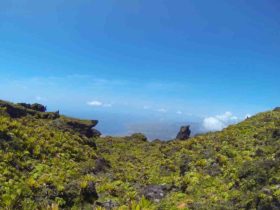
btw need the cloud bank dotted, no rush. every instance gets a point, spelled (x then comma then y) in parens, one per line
(219, 122)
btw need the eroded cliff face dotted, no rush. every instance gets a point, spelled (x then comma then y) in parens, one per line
(84, 127)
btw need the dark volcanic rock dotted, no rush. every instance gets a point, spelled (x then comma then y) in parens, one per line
(4, 136)
(35, 107)
(52, 115)
(276, 134)
(155, 192)
(101, 165)
(13, 111)
(84, 127)
(89, 193)
(95, 133)
(184, 165)
(27, 106)
(38, 107)
(184, 133)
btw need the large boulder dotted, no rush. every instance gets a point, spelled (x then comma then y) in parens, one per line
(184, 133)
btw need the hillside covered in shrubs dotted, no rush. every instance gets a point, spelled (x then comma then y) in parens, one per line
(50, 161)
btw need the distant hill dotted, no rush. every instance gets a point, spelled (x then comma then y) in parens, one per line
(49, 161)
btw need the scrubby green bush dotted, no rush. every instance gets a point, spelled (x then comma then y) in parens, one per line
(138, 136)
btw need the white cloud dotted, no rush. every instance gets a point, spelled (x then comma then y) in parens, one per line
(219, 122)
(95, 103)
(227, 116)
(162, 110)
(213, 124)
(179, 112)
(98, 104)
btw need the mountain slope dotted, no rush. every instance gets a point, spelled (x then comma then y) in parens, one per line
(41, 163)
(237, 168)
(48, 160)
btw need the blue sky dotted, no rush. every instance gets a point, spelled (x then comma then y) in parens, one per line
(142, 65)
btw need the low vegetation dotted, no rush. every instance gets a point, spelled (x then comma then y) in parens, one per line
(46, 166)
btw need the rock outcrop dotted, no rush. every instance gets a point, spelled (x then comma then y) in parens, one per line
(22, 109)
(84, 127)
(95, 133)
(184, 133)
(35, 107)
